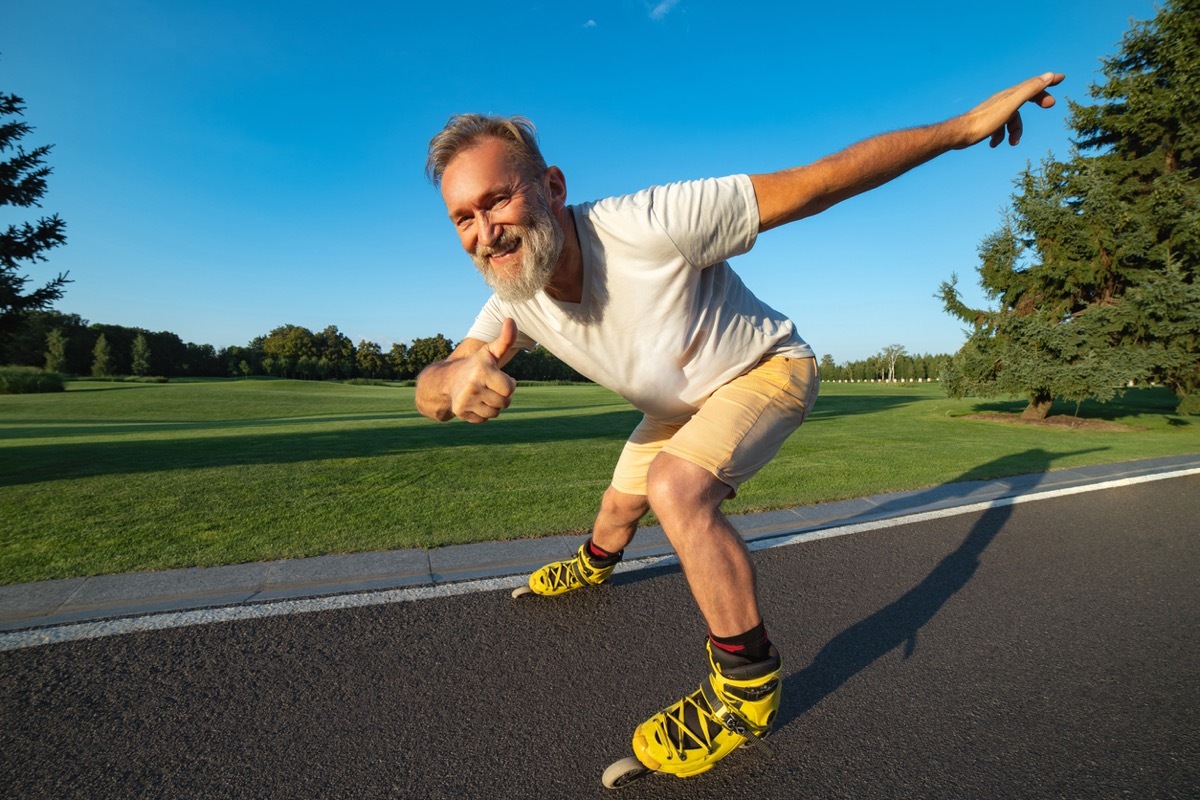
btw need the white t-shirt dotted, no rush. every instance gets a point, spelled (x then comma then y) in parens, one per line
(664, 321)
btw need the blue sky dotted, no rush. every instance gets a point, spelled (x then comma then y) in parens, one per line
(228, 166)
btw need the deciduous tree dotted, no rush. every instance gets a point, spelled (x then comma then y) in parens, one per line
(338, 350)
(286, 345)
(101, 358)
(370, 359)
(139, 357)
(888, 357)
(56, 351)
(424, 352)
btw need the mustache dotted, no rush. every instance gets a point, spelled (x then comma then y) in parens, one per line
(507, 240)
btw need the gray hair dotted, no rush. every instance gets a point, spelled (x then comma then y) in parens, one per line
(463, 131)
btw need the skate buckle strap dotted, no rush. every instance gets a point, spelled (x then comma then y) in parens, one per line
(752, 692)
(734, 722)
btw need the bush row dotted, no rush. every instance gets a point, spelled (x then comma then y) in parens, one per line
(29, 380)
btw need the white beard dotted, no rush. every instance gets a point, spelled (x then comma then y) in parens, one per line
(541, 241)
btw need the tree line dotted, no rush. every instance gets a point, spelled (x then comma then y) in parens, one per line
(892, 363)
(68, 344)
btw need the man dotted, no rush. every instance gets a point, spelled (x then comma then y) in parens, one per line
(637, 294)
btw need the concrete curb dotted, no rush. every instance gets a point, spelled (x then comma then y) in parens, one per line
(48, 603)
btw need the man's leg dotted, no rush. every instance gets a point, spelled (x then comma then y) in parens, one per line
(617, 520)
(738, 701)
(593, 563)
(687, 500)
(738, 431)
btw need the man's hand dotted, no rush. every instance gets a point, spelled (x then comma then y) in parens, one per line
(792, 194)
(479, 389)
(469, 384)
(1001, 112)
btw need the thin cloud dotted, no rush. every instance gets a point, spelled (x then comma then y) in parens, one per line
(591, 23)
(662, 9)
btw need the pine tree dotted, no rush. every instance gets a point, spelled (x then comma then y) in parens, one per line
(1093, 273)
(22, 183)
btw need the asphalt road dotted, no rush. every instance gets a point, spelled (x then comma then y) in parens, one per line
(1043, 650)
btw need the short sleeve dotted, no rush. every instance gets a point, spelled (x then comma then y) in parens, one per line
(709, 221)
(490, 320)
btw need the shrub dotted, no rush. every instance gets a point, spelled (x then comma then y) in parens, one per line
(123, 379)
(29, 380)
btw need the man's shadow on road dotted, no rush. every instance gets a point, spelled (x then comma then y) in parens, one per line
(898, 623)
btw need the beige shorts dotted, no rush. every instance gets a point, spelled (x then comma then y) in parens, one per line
(737, 431)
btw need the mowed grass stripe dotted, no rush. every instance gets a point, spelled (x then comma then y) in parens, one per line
(109, 478)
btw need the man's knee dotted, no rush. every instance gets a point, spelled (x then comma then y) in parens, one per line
(624, 507)
(676, 486)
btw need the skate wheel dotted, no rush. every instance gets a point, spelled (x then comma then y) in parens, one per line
(623, 773)
(521, 591)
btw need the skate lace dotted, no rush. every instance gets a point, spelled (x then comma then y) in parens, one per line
(700, 735)
(695, 722)
(565, 574)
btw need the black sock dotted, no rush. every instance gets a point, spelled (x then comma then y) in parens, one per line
(753, 645)
(600, 557)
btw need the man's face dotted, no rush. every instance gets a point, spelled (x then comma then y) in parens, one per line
(503, 220)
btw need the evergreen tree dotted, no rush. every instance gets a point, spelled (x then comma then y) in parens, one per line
(1094, 270)
(22, 183)
(101, 358)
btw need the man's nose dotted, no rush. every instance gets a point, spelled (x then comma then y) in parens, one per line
(486, 229)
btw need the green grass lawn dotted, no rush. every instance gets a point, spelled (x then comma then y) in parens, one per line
(115, 477)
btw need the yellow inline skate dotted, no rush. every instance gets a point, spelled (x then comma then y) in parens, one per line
(561, 577)
(734, 707)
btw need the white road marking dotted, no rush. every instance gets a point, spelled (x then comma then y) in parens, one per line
(180, 619)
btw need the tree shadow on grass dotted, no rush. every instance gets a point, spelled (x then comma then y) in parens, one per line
(167, 444)
(209, 444)
(1155, 401)
(68, 428)
(212, 445)
(849, 405)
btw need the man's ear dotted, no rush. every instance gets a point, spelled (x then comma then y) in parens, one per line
(556, 188)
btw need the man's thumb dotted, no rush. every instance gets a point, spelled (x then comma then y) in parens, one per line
(502, 343)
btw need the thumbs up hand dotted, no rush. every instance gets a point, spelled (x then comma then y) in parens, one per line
(502, 343)
(480, 390)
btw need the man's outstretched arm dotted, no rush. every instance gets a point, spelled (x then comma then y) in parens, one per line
(793, 194)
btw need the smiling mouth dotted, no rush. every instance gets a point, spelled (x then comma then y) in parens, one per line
(502, 249)
(504, 253)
